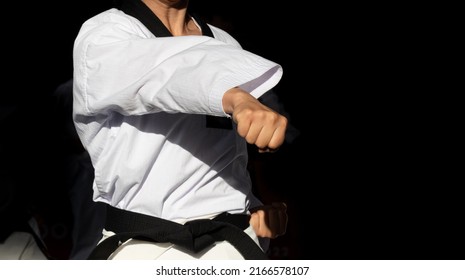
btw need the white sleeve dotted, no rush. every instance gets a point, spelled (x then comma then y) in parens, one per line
(116, 69)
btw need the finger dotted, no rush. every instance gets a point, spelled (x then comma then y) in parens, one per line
(277, 138)
(254, 222)
(253, 134)
(264, 137)
(270, 140)
(243, 126)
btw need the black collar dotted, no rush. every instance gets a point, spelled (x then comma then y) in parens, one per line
(139, 10)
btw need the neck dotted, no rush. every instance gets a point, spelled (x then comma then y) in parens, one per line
(174, 16)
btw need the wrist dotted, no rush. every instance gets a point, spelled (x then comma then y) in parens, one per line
(233, 97)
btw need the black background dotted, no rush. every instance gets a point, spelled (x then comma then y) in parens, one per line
(362, 180)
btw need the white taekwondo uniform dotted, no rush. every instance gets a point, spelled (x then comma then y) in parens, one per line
(140, 106)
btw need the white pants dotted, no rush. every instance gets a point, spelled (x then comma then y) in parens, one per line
(145, 250)
(22, 245)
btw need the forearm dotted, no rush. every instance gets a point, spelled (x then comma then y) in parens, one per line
(136, 79)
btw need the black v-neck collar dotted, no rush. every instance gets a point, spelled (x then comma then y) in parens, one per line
(139, 10)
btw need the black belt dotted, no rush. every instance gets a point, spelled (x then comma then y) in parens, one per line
(194, 235)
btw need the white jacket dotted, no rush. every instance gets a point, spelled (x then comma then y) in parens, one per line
(139, 109)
